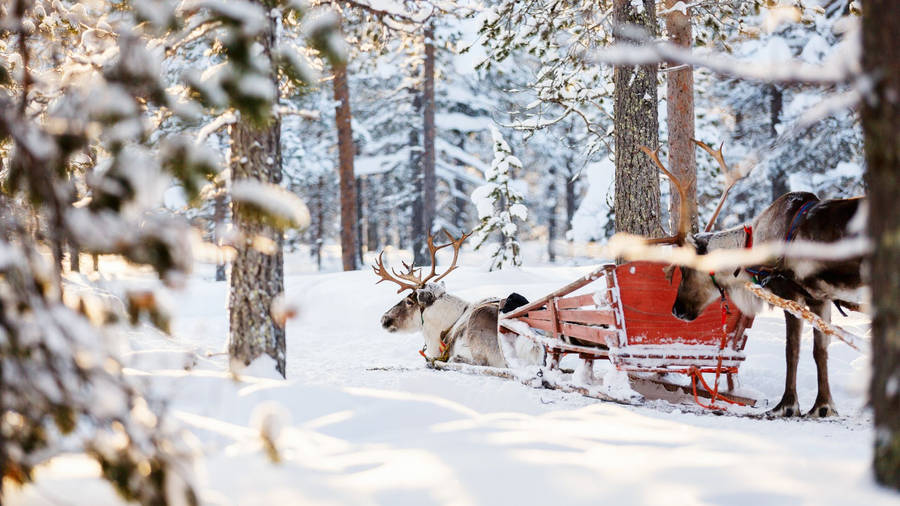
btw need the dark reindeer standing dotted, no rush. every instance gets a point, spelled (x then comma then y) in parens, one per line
(818, 284)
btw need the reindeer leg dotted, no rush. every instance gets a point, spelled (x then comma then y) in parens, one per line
(824, 405)
(789, 406)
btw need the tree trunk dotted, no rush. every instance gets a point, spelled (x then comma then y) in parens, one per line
(680, 118)
(218, 224)
(372, 183)
(257, 277)
(551, 196)
(74, 257)
(776, 103)
(880, 116)
(636, 124)
(460, 205)
(346, 150)
(417, 238)
(571, 201)
(320, 223)
(429, 183)
(360, 218)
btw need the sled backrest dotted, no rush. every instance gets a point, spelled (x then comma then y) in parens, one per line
(579, 310)
(645, 298)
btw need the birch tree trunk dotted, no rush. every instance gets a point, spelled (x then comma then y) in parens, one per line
(636, 124)
(880, 115)
(346, 150)
(257, 273)
(680, 119)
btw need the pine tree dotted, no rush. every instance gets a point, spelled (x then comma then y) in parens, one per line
(62, 383)
(680, 118)
(499, 206)
(636, 125)
(244, 90)
(257, 273)
(346, 153)
(881, 122)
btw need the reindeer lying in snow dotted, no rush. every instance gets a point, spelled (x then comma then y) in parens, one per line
(796, 215)
(454, 330)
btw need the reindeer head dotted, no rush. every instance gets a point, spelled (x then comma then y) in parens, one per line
(697, 289)
(407, 315)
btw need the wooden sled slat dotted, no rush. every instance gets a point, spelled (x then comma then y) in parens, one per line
(593, 334)
(576, 302)
(587, 316)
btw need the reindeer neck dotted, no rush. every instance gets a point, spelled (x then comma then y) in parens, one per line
(727, 239)
(438, 317)
(444, 312)
(735, 238)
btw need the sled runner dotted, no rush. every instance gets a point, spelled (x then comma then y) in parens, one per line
(623, 314)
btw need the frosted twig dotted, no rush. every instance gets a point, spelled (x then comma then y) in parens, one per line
(798, 310)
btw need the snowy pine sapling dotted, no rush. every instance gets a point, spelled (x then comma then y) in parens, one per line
(499, 205)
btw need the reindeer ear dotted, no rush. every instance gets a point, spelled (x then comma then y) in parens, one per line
(669, 271)
(425, 297)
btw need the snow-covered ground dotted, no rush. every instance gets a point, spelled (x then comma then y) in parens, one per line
(364, 422)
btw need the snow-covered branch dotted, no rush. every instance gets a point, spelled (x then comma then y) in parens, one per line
(843, 69)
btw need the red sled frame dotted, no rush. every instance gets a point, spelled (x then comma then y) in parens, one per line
(627, 320)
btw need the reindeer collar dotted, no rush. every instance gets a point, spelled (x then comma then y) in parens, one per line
(798, 218)
(444, 348)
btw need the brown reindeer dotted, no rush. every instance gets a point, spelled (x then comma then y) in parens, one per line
(454, 330)
(795, 215)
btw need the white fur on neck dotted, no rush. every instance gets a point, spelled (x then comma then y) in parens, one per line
(731, 238)
(748, 303)
(438, 317)
(735, 238)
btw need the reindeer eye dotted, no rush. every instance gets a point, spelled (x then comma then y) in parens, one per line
(408, 302)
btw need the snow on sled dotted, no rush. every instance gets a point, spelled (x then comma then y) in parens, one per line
(623, 314)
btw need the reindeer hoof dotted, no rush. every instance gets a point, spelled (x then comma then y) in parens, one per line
(822, 411)
(784, 410)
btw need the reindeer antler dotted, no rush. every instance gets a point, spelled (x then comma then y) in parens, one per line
(456, 243)
(731, 177)
(407, 281)
(412, 279)
(684, 214)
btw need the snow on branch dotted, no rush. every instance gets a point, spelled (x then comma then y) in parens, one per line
(274, 203)
(641, 49)
(632, 247)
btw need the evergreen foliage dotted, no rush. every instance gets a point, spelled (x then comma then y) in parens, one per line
(500, 206)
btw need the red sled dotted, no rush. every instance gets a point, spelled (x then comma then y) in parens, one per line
(623, 314)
